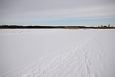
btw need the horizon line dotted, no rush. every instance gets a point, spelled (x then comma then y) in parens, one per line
(56, 27)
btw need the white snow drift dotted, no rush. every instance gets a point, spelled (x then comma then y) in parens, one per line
(57, 53)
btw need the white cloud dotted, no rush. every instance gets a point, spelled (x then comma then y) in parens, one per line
(23, 10)
(95, 11)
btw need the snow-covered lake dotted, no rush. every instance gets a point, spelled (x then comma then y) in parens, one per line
(57, 53)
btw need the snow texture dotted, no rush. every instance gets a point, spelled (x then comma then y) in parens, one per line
(57, 53)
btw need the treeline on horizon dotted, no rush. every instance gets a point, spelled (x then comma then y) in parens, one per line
(51, 27)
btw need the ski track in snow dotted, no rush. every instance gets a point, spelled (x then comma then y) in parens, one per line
(58, 62)
(79, 61)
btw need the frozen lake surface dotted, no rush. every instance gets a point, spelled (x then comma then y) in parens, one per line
(57, 53)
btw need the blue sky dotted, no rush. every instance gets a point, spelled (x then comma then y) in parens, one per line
(66, 21)
(76, 21)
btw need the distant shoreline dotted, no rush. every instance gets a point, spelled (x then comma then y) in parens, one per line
(53, 27)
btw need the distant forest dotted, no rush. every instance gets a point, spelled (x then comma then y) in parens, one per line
(56, 27)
